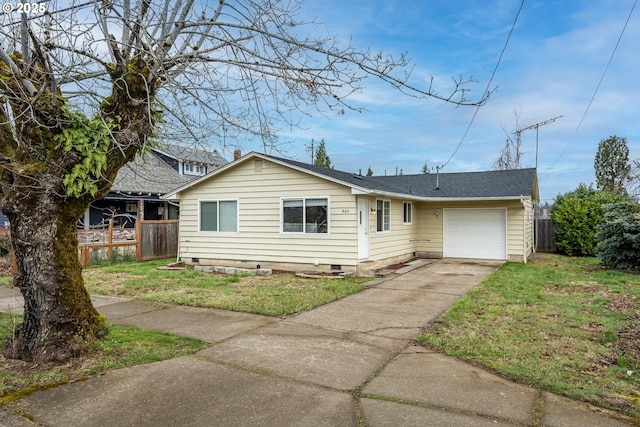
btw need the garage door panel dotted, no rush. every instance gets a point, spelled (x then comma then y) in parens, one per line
(475, 233)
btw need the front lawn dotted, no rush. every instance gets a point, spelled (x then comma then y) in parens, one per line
(275, 295)
(122, 347)
(559, 323)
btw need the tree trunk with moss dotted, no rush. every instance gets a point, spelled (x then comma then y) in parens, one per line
(57, 162)
(59, 318)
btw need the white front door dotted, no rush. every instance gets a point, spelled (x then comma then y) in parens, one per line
(363, 228)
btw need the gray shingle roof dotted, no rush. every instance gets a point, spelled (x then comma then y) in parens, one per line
(502, 184)
(151, 175)
(485, 184)
(148, 175)
(197, 155)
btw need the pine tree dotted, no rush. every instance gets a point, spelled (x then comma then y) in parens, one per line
(612, 167)
(322, 158)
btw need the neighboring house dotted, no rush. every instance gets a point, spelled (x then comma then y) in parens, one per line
(279, 213)
(138, 186)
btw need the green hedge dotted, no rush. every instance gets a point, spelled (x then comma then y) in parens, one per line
(619, 237)
(576, 216)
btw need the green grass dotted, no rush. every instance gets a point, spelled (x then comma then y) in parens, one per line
(276, 295)
(562, 324)
(122, 347)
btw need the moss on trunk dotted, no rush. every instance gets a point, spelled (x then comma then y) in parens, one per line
(59, 318)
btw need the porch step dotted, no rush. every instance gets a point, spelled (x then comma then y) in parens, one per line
(415, 264)
(384, 272)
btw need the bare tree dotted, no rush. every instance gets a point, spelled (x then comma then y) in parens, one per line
(83, 87)
(511, 154)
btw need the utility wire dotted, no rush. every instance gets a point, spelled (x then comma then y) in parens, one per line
(597, 87)
(486, 91)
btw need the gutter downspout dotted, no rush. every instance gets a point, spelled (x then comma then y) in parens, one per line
(524, 232)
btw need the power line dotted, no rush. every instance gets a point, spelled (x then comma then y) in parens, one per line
(597, 87)
(486, 91)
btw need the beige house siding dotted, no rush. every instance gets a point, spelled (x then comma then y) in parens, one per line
(528, 225)
(260, 185)
(430, 241)
(259, 189)
(400, 241)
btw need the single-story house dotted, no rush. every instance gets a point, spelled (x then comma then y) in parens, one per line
(284, 214)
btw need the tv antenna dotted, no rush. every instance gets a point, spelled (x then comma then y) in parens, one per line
(518, 133)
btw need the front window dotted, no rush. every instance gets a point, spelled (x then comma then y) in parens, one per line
(219, 216)
(383, 215)
(306, 215)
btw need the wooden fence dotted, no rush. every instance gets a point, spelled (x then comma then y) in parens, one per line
(544, 237)
(152, 240)
(158, 239)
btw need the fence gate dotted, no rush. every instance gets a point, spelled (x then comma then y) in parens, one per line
(157, 239)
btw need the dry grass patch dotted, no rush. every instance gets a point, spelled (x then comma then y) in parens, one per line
(275, 295)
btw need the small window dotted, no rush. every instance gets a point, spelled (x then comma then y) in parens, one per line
(191, 169)
(308, 216)
(407, 213)
(383, 215)
(219, 216)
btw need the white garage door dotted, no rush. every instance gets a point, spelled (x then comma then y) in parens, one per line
(475, 233)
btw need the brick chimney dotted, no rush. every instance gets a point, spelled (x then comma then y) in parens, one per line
(237, 154)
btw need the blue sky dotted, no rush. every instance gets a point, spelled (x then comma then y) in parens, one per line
(555, 58)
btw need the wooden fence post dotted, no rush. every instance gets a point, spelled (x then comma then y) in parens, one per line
(110, 239)
(85, 256)
(138, 240)
(14, 262)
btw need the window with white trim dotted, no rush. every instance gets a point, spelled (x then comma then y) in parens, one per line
(407, 212)
(191, 169)
(383, 215)
(305, 215)
(219, 216)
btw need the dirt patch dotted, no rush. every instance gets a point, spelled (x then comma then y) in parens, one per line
(627, 340)
(578, 287)
(400, 265)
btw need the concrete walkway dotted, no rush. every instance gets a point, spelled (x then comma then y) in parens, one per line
(348, 363)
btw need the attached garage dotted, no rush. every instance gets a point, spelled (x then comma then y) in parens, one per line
(366, 222)
(475, 233)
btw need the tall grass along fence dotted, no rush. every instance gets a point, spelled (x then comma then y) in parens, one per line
(148, 240)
